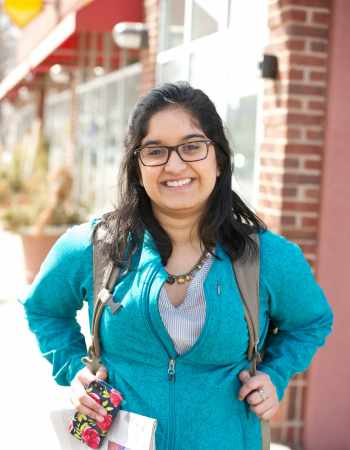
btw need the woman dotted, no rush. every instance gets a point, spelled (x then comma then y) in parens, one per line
(177, 350)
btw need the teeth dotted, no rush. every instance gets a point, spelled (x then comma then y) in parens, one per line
(176, 183)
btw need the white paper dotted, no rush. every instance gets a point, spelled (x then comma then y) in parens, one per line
(129, 431)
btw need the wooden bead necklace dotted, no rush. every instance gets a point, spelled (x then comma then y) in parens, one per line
(188, 276)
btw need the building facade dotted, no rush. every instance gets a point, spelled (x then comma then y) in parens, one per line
(289, 134)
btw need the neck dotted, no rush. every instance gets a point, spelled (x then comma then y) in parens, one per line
(182, 228)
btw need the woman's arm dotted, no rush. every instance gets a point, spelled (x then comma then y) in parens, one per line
(54, 298)
(298, 308)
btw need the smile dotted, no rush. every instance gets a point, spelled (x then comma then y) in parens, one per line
(178, 183)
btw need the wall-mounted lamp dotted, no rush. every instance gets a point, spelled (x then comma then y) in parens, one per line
(130, 35)
(269, 67)
(59, 74)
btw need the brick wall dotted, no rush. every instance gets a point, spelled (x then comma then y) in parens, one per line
(294, 108)
(149, 55)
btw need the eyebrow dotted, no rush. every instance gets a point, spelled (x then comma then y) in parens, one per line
(185, 138)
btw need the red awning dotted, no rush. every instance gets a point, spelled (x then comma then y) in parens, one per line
(40, 48)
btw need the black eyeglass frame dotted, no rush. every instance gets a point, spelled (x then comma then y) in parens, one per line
(172, 148)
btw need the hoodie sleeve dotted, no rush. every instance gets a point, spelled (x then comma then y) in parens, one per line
(55, 296)
(297, 306)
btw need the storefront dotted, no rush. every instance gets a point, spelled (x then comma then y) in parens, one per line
(289, 135)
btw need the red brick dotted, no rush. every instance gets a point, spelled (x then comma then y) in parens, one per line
(307, 31)
(293, 133)
(309, 222)
(292, 74)
(291, 163)
(314, 165)
(305, 89)
(300, 234)
(313, 104)
(314, 135)
(306, 60)
(305, 3)
(312, 193)
(292, 103)
(310, 249)
(301, 178)
(318, 46)
(300, 206)
(304, 119)
(294, 45)
(321, 18)
(318, 76)
(289, 191)
(294, 15)
(303, 149)
(288, 220)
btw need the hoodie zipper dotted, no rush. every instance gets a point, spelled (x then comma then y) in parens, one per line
(172, 424)
(170, 375)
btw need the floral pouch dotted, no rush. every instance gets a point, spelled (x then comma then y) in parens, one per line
(88, 430)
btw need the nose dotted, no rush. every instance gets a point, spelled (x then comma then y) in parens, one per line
(175, 163)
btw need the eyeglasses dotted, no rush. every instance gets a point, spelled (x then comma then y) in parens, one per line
(158, 155)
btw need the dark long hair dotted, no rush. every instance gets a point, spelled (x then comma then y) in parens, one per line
(227, 218)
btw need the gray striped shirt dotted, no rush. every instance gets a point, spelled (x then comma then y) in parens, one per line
(184, 322)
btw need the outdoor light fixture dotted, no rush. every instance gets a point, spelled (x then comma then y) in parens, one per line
(130, 35)
(59, 74)
(269, 67)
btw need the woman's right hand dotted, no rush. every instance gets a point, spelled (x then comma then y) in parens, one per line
(81, 400)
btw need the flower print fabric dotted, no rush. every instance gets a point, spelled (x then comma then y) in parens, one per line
(88, 430)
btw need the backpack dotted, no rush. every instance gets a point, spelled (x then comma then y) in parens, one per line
(247, 271)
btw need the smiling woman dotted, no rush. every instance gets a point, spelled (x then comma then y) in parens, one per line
(183, 179)
(177, 349)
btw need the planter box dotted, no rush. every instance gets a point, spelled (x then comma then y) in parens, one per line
(36, 247)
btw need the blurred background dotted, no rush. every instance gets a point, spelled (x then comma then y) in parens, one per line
(278, 72)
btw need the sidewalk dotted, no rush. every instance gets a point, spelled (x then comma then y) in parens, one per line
(11, 266)
(28, 391)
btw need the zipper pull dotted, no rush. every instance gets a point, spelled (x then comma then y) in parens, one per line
(218, 288)
(257, 353)
(171, 369)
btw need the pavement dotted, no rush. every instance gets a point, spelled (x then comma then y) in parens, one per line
(28, 392)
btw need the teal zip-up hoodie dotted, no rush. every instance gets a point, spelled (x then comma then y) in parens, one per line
(193, 396)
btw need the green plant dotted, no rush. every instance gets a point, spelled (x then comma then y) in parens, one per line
(30, 197)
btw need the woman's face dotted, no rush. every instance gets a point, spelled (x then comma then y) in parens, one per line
(178, 186)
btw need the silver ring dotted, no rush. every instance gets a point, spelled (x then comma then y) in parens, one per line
(262, 393)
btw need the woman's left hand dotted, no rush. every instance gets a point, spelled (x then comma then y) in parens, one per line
(259, 393)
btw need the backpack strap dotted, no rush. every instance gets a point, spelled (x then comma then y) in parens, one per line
(247, 271)
(105, 277)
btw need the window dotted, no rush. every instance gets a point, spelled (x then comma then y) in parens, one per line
(104, 105)
(206, 17)
(173, 24)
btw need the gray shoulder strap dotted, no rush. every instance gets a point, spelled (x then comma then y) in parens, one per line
(247, 270)
(105, 276)
(105, 272)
